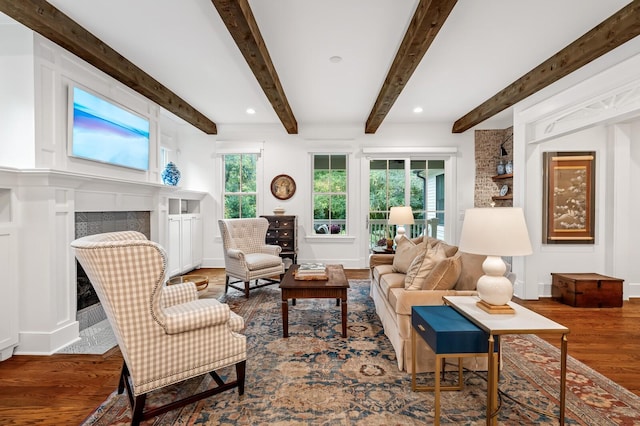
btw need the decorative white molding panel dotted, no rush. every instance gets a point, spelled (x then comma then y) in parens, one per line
(613, 105)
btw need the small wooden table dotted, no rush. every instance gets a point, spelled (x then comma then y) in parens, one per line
(201, 281)
(383, 250)
(334, 287)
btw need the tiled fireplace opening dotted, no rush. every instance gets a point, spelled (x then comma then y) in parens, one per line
(90, 223)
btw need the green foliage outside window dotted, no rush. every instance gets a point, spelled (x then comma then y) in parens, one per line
(387, 183)
(330, 194)
(386, 186)
(240, 183)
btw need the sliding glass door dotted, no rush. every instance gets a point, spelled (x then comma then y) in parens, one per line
(415, 182)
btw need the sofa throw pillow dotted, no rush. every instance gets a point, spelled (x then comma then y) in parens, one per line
(448, 249)
(421, 267)
(444, 275)
(471, 271)
(419, 239)
(406, 251)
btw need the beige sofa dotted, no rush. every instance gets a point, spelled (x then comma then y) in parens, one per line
(419, 274)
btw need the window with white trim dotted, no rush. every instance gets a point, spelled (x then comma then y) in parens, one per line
(330, 178)
(240, 191)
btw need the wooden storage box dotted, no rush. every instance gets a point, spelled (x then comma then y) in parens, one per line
(587, 290)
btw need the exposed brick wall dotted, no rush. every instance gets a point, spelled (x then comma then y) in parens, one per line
(487, 147)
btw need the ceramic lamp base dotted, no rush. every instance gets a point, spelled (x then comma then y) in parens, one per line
(400, 231)
(494, 289)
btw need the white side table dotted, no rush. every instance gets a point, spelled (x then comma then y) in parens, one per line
(523, 321)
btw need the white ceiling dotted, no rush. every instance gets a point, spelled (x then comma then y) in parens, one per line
(484, 46)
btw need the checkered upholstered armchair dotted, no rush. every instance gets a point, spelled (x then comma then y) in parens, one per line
(246, 255)
(165, 333)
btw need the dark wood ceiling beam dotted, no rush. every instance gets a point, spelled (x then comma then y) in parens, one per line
(619, 28)
(427, 21)
(239, 19)
(45, 19)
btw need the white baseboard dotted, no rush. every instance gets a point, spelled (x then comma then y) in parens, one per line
(47, 343)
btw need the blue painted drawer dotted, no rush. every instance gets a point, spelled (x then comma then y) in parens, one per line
(448, 332)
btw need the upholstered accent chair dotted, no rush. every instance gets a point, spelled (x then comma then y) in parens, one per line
(166, 333)
(246, 255)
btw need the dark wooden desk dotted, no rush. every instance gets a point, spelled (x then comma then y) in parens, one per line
(334, 287)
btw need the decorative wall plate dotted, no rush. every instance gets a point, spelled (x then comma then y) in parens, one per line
(283, 187)
(504, 190)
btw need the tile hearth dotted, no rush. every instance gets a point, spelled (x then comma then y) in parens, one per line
(96, 339)
(96, 335)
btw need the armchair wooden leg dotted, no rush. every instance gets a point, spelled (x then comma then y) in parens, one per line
(137, 404)
(216, 378)
(226, 284)
(137, 410)
(240, 374)
(123, 375)
(237, 284)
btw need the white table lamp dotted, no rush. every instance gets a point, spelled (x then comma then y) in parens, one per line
(400, 216)
(495, 232)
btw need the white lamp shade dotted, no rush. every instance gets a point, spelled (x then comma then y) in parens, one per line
(495, 231)
(401, 216)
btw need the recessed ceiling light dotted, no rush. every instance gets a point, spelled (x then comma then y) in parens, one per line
(417, 110)
(335, 59)
(251, 111)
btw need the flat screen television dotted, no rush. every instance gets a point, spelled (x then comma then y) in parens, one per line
(106, 132)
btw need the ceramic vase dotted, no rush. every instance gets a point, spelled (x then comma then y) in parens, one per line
(170, 175)
(508, 168)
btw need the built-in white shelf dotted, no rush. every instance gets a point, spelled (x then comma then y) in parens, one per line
(9, 290)
(183, 206)
(184, 235)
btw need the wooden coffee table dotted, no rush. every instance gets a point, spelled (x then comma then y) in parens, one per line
(334, 287)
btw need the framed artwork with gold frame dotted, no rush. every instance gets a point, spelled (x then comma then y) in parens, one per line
(569, 198)
(283, 187)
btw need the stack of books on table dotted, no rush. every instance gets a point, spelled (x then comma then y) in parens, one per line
(312, 271)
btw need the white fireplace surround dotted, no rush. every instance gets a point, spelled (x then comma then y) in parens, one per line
(39, 209)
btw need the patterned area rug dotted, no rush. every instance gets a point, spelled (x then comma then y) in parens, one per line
(316, 377)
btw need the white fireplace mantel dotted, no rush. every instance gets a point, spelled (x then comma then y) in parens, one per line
(42, 205)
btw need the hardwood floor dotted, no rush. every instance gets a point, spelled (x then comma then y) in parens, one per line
(64, 389)
(605, 339)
